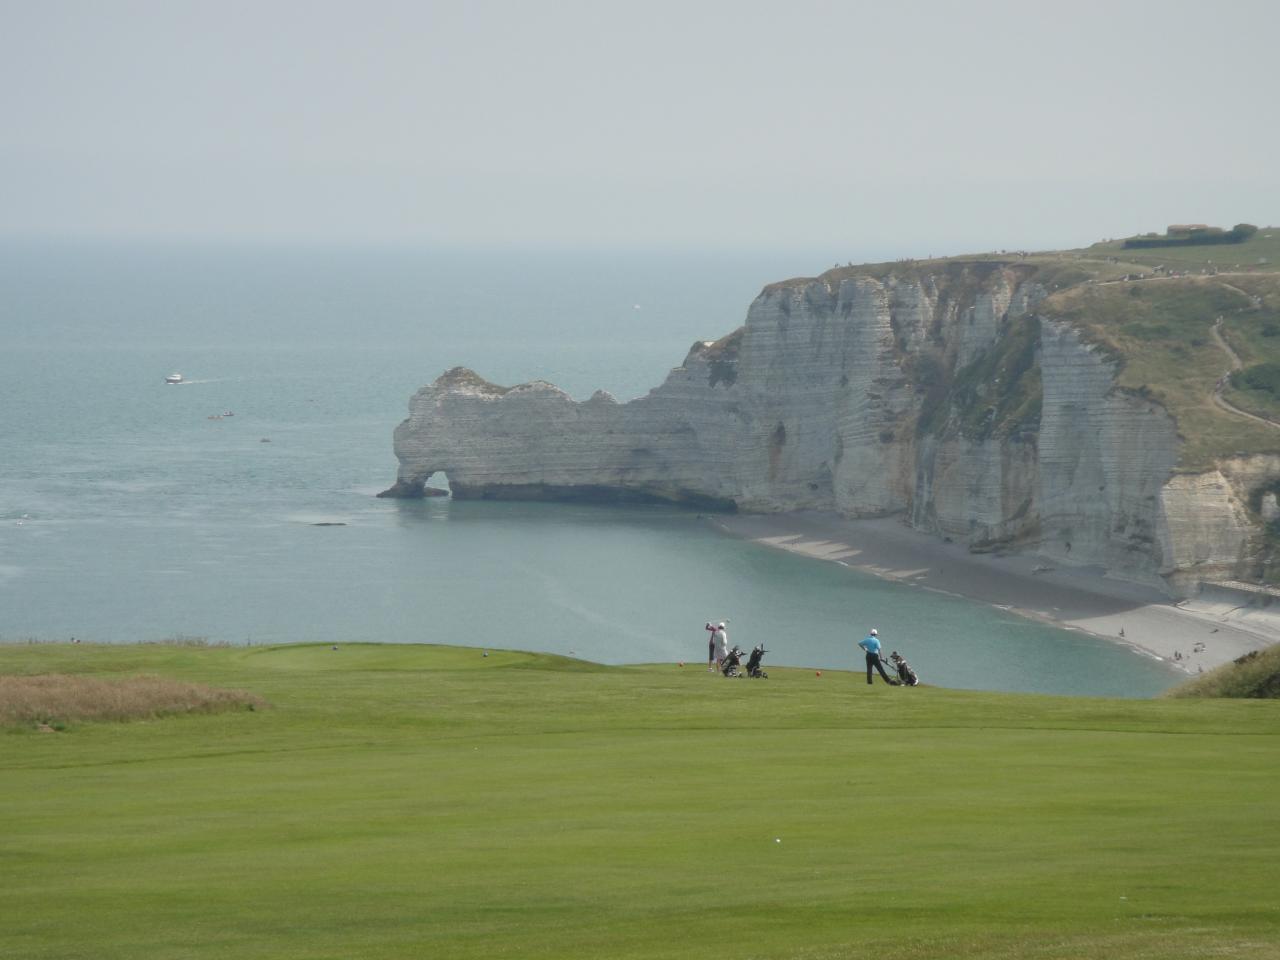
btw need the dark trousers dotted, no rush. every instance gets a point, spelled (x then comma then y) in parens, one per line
(873, 663)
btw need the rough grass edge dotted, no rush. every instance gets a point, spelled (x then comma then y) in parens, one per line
(51, 701)
(1255, 676)
(176, 640)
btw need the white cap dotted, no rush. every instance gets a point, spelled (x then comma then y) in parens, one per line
(722, 626)
(874, 633)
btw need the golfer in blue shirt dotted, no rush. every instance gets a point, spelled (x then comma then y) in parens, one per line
(872, 646)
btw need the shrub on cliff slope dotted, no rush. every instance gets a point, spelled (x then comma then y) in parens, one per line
(1255, 676)
(1264, 377)
(1000, 393)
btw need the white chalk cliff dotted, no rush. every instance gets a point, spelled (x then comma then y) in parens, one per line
(937, 394)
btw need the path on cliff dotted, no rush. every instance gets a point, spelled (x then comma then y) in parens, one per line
(1234, 289)
(1236, 364)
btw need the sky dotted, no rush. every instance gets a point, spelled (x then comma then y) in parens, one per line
(911, 128)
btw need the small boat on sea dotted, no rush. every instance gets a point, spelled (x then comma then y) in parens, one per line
(173, 378)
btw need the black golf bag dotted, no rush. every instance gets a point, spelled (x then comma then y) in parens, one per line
(731, 667)
(906, 676)
(753, 663)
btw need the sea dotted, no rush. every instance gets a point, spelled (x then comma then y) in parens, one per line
(239, 507)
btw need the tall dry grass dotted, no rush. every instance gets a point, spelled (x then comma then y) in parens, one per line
(55, 699)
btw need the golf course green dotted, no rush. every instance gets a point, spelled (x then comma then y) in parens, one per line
(416, 801)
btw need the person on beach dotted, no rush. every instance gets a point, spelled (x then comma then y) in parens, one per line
(872, 647)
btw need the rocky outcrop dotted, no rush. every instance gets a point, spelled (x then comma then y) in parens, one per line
(938, 394)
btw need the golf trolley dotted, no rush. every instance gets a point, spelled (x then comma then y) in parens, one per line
(731, 667)
(906, 676)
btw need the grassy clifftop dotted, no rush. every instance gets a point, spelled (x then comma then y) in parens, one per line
(421, 801)
(1168, 336)
(1260, 253)
(1106, 260)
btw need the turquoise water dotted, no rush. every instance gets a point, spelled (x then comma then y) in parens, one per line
(126, 513)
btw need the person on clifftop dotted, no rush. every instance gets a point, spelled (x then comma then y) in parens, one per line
(872, 647)
(718, 647)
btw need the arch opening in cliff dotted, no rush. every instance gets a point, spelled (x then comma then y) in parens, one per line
(432, 484)
(436, 484)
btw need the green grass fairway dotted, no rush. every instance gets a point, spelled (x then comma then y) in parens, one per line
(398, 802)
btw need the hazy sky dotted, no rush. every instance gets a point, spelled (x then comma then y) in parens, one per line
(919, 128)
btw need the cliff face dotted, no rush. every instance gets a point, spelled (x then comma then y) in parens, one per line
(939, 395)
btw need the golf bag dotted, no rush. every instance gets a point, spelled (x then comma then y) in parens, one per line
(732, 663)
(906, 676)
(753, 663)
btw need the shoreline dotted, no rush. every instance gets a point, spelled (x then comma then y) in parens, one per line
(1191, 635)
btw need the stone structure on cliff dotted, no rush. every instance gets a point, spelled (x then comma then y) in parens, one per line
(937, 394)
